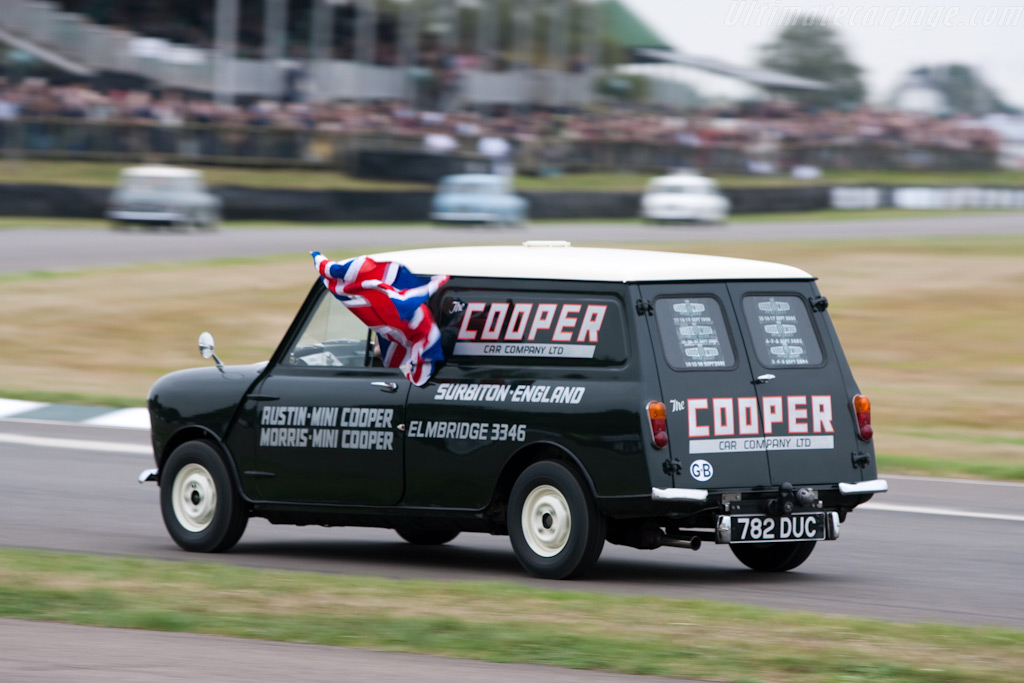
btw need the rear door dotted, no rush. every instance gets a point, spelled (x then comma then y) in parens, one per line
(713, 412)
(807, 424)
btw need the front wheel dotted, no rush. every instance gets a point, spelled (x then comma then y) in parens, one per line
(201, 508)
(773, 557)
(557, 532)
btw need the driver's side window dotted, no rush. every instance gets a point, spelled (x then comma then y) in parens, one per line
(333, 337)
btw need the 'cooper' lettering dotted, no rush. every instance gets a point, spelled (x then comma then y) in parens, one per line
(503, 322)
(729, 416)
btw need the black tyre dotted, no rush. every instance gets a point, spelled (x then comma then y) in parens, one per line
(201, 508)
(426, 536)
(773, 557)
(556, 529)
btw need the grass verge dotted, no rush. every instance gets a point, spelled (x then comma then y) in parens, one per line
(500, 622)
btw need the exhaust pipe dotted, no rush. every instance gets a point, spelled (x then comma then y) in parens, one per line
(693, 543)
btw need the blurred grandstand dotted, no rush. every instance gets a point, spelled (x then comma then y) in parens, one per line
(317, 82)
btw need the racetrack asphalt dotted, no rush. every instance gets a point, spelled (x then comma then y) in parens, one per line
(38, 652)
(54, 249)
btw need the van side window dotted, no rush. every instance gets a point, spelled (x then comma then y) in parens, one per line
(781, 330)
(693, 333)
(332, 337)
(529, 328)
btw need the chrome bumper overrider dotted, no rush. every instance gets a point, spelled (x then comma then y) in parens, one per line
(872, 486)
(698, 495)
(148, 475)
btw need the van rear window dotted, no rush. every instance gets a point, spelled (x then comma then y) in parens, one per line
(693, 333)
(782, 331)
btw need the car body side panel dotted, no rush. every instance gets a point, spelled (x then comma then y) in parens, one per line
(502, 394)
(205, 398)
(466, 426)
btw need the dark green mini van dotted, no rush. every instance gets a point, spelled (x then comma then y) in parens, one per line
(588, 395)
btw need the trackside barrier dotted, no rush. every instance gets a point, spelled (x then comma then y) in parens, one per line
(957, 198)
(932, 198)
(327, 205)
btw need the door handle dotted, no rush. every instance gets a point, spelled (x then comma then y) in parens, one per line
(390, 387)
(764, 379)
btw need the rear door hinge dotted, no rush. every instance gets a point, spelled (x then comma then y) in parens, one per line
(819, 303)
(644, 307)
(672, 466)
(861, 460)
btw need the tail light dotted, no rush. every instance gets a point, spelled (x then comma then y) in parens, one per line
(659, 427)
(862, 407)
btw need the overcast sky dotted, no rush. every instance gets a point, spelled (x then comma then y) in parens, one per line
(885, 39)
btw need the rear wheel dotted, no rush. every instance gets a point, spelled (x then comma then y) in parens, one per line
(201, 508)
(773, 557)
(426, 536)
(557, 532)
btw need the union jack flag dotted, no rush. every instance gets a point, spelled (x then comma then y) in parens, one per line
(392, 302)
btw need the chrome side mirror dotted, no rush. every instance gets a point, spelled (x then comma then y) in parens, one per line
(207, 347)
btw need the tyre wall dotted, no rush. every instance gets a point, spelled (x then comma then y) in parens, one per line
(243, 203)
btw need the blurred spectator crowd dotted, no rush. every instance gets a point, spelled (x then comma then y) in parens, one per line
(759, 129)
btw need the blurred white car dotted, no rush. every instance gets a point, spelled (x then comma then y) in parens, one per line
(684, 197)
(478, 198)
(156, 195)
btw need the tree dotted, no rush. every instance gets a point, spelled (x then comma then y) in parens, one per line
(965, 90)
(810, 49)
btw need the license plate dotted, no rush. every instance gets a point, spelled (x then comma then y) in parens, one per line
(762, 529)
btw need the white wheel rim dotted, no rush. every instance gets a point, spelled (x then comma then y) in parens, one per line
(546, 521)
(194, 497)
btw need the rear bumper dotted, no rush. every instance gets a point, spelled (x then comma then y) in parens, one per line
(146, 216)
(724, 516)
(464, 216)
(659, 214)
(701, 495)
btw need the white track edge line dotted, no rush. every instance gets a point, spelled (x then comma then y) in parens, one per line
(76, 444)
(944, 512)
(951, 480)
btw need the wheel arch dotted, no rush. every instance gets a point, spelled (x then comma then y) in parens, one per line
(528, 455)
(199, 433)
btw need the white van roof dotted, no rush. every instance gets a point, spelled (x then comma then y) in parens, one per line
(559, 261)
(160, 171)
(682, 180)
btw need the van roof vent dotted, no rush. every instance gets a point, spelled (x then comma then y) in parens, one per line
(547, 243)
